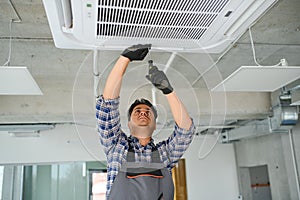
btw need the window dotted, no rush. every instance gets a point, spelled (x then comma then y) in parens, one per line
(97, 184)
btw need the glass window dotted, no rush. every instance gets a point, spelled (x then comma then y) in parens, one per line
(97, 184)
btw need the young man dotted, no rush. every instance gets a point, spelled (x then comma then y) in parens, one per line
(137, 168)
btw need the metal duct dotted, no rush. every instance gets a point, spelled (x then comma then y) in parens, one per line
(284, 118)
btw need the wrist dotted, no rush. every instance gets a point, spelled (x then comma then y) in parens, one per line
(125, 59)
(170, 94)
(167, 91)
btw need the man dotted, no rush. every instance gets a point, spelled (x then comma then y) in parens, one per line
(137, 168)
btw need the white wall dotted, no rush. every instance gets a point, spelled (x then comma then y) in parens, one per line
(214, 177)
(64, 143)
(273, 150)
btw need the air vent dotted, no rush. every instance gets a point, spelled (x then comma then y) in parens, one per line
(173, 20)
(186, 25)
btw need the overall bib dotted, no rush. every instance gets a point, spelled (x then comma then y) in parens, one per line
(142, 180)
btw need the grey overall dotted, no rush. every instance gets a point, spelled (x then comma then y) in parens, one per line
(142, 180)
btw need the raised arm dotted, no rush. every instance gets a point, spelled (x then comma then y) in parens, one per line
(114, 81)
(107, 105)
(179, 112)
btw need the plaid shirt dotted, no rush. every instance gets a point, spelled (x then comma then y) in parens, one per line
(115, 141)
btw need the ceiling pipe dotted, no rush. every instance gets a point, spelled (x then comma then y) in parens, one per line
(95, 72)
(153, 96)
(284, 118)
(171, 59)
(295, 88)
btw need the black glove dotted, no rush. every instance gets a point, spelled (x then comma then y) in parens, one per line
(159, 79)
(136, 52)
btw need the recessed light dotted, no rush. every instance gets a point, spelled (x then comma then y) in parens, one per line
(17, 81)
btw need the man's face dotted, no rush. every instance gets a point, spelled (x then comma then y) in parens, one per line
(142, 115)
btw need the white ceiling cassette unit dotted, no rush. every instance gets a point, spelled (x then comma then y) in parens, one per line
(185, 25)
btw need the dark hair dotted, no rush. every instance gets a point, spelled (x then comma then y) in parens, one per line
(138, 102)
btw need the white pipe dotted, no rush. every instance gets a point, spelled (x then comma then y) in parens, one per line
(294, 162)
(95, 72)
(172, 57)
(153, 96)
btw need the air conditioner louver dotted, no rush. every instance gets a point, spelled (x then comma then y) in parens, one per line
(186, 25)
(185, 20)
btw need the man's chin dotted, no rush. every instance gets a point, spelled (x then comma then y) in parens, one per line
(143, 123)
(143, 120)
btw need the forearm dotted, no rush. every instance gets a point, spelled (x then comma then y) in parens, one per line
(179, 111)
(114, 81)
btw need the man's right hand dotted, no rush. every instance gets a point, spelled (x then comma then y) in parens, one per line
(136, 52)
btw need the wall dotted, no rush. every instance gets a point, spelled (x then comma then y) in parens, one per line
(64, 143)
(213, 177)
(273, 150)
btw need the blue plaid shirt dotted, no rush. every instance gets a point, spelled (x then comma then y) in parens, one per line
(115, 141)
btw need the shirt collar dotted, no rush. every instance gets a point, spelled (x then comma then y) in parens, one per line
(134, 139)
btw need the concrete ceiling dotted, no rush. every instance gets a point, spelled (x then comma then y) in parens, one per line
(66, 80)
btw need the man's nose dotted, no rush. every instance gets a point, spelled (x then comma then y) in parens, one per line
(144, 113)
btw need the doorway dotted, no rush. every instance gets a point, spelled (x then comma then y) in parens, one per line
(260, 183)
(255, 183)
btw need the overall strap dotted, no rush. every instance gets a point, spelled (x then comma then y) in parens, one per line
(155, 157)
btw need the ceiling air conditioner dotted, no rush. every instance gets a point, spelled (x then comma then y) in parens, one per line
(186, 25)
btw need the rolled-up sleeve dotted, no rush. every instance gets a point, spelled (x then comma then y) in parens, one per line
(177, 143)
(108, 121)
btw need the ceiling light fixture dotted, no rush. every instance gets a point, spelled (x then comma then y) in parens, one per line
(26, 130)
(17, 81)
(258, 79)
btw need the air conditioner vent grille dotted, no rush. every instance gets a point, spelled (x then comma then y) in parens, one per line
(168, 19)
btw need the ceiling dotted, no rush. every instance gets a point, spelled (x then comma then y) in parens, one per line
(66, 76)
